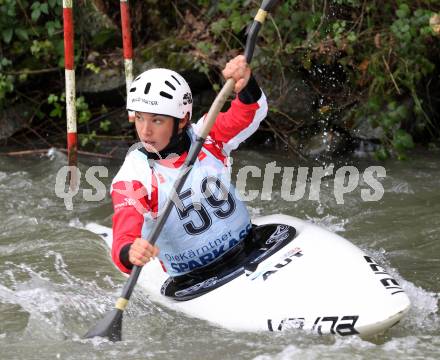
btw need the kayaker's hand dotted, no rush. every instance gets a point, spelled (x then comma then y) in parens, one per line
(239, 70)
(141, 252)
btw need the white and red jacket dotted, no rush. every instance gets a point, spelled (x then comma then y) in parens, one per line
(209, 219)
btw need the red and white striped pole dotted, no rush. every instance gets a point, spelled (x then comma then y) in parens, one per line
(72, 137)
(128, 48)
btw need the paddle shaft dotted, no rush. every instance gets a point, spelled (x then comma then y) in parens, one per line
(209, 121)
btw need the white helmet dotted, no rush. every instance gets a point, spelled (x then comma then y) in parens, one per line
(160, 91)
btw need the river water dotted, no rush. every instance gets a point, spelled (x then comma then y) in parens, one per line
(56, 279)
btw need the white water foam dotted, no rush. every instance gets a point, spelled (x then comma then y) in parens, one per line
(409, 347)
(77, 224)
(254, 212)
(342, 348)
(54, 154)
(43, 320)
(329, 222)
(50, 304)
(423, 314)
(400, 187)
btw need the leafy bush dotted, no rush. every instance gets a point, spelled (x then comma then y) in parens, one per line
(30, 40)
(367, 60)
(387, 51)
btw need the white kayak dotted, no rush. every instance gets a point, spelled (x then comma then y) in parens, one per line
(309, 279)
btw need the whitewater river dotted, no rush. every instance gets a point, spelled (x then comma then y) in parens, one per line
(56, 279)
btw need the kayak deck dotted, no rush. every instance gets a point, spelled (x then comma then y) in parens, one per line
(318, 282)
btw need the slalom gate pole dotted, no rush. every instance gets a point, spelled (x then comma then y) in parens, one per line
(128, 48)
(72, 137)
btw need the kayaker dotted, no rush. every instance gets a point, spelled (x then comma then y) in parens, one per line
(208, 220)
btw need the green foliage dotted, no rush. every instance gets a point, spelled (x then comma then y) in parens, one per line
(6, 86)
(58, 103)
(104, 125)
(29, 34)
(86, 139)
(32, 47)
(387, 51)
(83, 113)
(58, 107)
(22, 22)
(397, 68)
(390, 120)
(386, 48)
(402, 141)
(93, 68)
(6, 81)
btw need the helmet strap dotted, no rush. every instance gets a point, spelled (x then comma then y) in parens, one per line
(175, 138)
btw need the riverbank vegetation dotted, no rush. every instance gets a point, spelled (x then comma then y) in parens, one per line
(339, 74)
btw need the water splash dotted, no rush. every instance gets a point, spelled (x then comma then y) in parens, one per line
(51, 304)
(330, 222)
(254, 212)
(76, 223)
(339, 348)
(400, 187)
(44, 321)
(423, 314)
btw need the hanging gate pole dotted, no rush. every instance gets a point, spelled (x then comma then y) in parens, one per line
(72, 137)
(128, 48)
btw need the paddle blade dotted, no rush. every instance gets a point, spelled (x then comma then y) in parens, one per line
(109, 327)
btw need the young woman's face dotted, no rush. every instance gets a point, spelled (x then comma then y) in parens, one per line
(154, 130)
